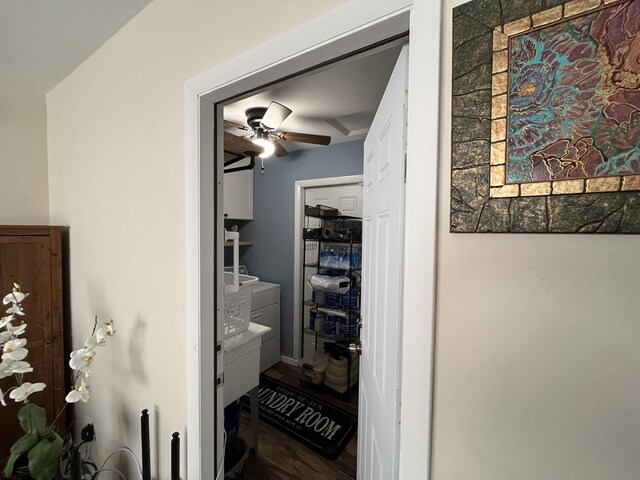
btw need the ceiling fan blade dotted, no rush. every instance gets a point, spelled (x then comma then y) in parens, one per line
(239, 145)
(229, 123)
(276, 114)
(305, 138)
(280, 150)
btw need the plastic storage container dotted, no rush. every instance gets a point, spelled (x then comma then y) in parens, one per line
(351, 300)
(313, 370)
(316, 320)
(339, 376)
(237, 305)
(331, 324)
(348, 327)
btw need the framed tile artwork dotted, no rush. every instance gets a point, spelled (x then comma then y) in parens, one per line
(546, 116)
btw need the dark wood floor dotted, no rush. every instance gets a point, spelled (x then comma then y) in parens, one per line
(280, 457)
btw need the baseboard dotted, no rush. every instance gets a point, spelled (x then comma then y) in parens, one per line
(288, 360)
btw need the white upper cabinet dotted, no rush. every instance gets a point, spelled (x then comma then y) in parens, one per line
(238, 195)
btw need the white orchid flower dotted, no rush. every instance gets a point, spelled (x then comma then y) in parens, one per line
(2, 395)
(15, 309)
(91, 343)
(101, 336)
(16, 331)
(110, 328)
(21, 367)
(79, 393)
(6, 320)
(14, 349)
(21, 393)
(5, 368)
(11, 332)
(81, 360)
(5, 337)
(13, 297)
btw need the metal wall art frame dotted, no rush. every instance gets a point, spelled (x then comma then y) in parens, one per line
(546, 116)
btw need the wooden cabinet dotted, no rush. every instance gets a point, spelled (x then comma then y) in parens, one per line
(33, 257)
(238, 195)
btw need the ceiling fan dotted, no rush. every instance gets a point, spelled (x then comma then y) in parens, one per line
(263, 124)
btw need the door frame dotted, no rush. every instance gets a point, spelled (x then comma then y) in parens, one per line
(300, 190)
(350, 27)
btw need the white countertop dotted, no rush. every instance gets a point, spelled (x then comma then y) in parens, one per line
(240, 339)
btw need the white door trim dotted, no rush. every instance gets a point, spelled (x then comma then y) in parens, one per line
(300, 187)
(347, 28)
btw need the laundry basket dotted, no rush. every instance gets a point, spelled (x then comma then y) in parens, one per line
(237, 303)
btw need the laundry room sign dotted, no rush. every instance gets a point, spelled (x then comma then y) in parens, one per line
(322, 427)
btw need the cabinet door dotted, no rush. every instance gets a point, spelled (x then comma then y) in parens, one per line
(27, 260)
(238, 195)
(270, 352)
(268, 316)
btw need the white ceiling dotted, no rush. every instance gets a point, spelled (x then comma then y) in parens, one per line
(339, 101)
(43, 41)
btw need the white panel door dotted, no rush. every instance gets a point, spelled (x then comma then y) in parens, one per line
(382, 272)
(346, 198)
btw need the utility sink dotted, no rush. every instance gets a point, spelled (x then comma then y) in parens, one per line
(243, 279)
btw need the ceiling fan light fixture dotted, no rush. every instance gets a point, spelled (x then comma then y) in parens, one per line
(267, 146)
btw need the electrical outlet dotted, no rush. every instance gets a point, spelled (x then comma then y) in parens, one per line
(88, 433)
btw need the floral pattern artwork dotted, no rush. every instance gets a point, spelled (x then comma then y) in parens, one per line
(574, 98)
(545, 122)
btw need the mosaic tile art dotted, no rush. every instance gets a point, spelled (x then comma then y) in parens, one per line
(546, 116)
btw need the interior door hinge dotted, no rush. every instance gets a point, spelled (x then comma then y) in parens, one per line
(220, 380)
(405, 167)
(219, 347)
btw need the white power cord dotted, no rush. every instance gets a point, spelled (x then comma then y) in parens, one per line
(103, 469)
(95, 474)
(224, 448)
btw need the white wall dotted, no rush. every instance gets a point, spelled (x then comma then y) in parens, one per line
(537, 358)
(116, 151)
(24, 191)
(537, 354)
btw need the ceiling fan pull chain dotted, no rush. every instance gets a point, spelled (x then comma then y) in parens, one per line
(261, 166)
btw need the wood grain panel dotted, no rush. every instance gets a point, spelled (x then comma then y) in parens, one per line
(32, 256)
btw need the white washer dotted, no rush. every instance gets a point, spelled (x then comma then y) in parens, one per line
(265, 310)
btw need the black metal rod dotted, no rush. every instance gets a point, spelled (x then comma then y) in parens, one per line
(146, 450)
(175, 456)
(250, 166)
(235, 159)
(76, 463)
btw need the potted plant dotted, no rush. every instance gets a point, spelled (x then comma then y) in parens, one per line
(41, 447)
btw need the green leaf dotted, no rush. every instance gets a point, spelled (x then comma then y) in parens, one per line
(8, 468)
(33, 418)
(24, 443)
(44, 458)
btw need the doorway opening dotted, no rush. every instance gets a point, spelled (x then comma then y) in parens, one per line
(262, 207)
(350, 27)
(343, 193)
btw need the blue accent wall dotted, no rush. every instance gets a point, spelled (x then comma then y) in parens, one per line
(272, 229)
